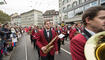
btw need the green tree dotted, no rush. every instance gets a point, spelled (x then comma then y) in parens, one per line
(4, 17)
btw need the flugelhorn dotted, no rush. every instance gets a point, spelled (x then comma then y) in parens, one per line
(95, 47)
(50, 45)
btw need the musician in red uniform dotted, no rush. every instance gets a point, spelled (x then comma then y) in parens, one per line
(44, 37)
(94, 21)
(72, 31)
(34, 34)
(58, 30)
(64, 31)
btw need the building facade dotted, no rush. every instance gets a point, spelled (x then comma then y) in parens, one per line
(32, 17)
(2, 2)
(52, 15)
(71, 10)
(15, 19)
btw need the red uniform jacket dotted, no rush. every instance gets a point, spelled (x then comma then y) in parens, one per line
(72, 32)
(42, 41)
(77, 46)
(34, 34)
(64, 31)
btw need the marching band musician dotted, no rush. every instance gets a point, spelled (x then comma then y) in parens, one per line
(44, 37)
(94, 21)
(35, 31)
(72, 31)
(58, 30)
(64, 31)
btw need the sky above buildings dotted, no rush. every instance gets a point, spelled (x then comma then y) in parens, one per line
(21, 6)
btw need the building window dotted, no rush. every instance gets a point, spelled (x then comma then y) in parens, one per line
(80, 1)
(63, 2)
(64, 9)
(65, 17)
(71, 14)
(95, 3)
(87, 6)
(86, 0)
(69, 0)
(102, 1)
(59, 4)
(74, 3)
(69, 6)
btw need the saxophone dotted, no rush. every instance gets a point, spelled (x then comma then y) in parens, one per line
(49, 46)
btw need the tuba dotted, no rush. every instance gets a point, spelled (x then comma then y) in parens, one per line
(49, 46)
(95, 47)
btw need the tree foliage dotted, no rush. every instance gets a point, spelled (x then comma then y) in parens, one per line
(4, 17)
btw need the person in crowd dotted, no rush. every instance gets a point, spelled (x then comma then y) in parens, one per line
(13, 36)
(34, 35)
(31, 34)
(5, 36)
(94, 21)
(79, 27)
(1, 44)
(45, 37)
(64, 31)
(72, 31)
(58, 30)
(52, 26)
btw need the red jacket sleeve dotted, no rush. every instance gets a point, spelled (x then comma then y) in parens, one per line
(38, 42)
(55, 43)
(77, 48)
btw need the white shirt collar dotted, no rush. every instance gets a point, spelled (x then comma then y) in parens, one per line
(91, 32)
(48, 34)
(47, 30)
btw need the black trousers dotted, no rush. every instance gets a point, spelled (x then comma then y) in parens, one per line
(59, 45)
(63, 42)
(34, 41)
(48, 57)
(31, 38)
(38, 50)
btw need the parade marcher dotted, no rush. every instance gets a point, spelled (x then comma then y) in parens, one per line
(58, 30)
(35, 31)
(94, 21)
(68, 29)
(31, 34)
(26, 29)
(64, 31)
(79, 27)
(44, 37)
(72, 31)
(66, 34)
(52, 28)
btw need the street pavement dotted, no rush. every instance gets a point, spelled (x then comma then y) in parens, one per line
(26, 51)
